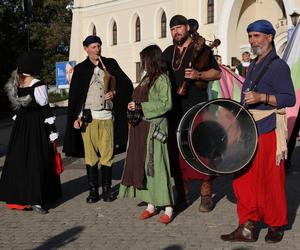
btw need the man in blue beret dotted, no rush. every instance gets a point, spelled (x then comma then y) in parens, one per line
(267, 91)
(98, 89)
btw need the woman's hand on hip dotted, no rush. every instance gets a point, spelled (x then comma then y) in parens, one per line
(131, 106)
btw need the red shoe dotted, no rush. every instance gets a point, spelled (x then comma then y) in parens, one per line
(16, 206)
(165, 219)
(146, 214)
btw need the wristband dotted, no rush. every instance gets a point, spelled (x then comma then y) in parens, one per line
(267, 99)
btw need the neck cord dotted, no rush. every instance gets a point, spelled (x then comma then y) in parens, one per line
(181, 59)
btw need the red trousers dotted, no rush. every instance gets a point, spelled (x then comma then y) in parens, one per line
(179, 168)
(188, 173)
(260, 190)
(180, 171)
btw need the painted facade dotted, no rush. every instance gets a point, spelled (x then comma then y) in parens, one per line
(231, 17)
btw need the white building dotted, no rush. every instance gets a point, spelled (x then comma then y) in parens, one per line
(127, 26)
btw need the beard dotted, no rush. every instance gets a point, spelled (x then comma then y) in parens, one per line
(258, 51)
(181, 41)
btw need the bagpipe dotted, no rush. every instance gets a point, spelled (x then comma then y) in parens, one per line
(200, 57)
(109, 81)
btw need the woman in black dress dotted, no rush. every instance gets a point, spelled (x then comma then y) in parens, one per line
(28, 179)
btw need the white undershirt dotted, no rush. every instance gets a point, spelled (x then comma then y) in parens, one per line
(41, 97)
(40, 93)
(244, 64)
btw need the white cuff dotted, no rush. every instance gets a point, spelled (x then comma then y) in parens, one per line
(50, 120)
(53, 136)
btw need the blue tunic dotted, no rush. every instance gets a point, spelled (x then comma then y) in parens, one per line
(276, 81)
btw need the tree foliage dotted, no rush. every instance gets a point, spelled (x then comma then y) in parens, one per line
(49, 32)
(12, 36)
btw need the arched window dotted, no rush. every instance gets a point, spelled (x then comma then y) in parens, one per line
(210, 11)
(114, 34)
(137, 30)
(163, 25)
(94, 31)
(138, 71)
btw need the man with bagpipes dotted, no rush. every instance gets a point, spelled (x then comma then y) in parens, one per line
(96, 122)
(191, 65)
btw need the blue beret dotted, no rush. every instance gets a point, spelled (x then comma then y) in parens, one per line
(91, 39)
(262, 26)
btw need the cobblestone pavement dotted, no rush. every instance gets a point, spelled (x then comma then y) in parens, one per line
(74, 224)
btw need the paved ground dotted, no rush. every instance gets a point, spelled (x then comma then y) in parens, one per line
(74, 224)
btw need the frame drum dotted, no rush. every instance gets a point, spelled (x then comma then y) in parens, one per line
(217, 137)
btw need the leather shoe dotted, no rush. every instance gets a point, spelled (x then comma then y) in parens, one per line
(39, 209)
(206, 204)
(244, 232)
(274, 235)
(165, 219)
(146, 214)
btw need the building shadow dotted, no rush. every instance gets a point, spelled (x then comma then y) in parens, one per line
(222, 187)
(173, 247)
(61, 240)
(75, 187)
(293, 188)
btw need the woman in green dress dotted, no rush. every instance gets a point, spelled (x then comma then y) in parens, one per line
(146, 173)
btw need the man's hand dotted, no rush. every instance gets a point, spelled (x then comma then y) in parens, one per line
(78, 123)
(108, 96)
(191, 74)
(252, 97)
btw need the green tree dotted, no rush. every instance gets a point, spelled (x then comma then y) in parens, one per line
(12, 36)
(49, 32)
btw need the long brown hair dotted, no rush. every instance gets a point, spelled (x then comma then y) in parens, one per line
(151, 57)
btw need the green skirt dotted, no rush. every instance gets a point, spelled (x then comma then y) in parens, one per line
(158, 189)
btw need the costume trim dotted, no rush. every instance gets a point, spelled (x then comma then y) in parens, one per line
(281, 130)
(11, 89)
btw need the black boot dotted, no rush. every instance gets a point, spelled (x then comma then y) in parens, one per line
(106, 183)
(92, 174)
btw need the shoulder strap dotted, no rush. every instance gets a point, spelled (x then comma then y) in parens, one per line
(37, 84)
(261, 74)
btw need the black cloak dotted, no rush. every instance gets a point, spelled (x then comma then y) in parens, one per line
(73, 144)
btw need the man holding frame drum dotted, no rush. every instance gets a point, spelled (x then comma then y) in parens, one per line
(260, 188)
